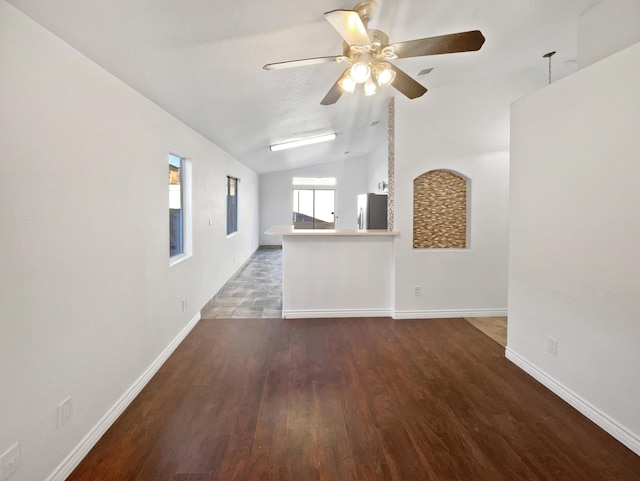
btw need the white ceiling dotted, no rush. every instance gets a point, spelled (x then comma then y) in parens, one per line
(202, 61)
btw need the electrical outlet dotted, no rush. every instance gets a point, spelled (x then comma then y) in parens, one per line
(552, 346)
(184, 305)
(417, 291)
(9, 462)
(65, 410)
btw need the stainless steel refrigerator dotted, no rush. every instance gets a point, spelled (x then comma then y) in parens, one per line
(372, 211)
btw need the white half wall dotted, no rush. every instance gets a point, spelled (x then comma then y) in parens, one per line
(337, 276)
(574, 257)
(276, 194)
(88, 300)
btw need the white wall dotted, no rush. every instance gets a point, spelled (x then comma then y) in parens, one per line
(276, 197)
(574, 258)
(377, 167)
(607, 28)
(464, 130)
(88, 300)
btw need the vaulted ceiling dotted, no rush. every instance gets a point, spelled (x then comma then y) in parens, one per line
(202, 61)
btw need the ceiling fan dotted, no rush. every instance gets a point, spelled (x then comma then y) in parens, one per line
(369, 52)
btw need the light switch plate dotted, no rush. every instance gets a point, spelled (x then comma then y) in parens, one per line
(65, 410)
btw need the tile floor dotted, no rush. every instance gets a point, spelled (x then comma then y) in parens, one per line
(256, 292)
(494, 327)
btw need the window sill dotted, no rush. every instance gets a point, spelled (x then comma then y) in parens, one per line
(233, 234)
(177, 259)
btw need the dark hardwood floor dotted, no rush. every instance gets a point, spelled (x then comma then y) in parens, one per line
(349, 399)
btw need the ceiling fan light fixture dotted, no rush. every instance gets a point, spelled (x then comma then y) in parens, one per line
(384, 74)
(388, 52)
(301, 142)
(370, 88)
(360, 72)
(347, 83)
(368, 51)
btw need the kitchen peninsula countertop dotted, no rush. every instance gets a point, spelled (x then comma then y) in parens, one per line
(288, 230)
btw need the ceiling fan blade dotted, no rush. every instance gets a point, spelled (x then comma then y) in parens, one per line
(299, 63)
(455, 42)
(406, 85)
(349, 26)
(333, 95)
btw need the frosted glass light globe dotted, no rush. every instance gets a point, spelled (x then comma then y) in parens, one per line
(370, 88)
(360, 72)
(347, 84)
(384, 74)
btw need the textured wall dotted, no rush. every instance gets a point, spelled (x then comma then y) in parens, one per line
(439, 211)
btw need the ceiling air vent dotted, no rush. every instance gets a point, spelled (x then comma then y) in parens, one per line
(425, 71)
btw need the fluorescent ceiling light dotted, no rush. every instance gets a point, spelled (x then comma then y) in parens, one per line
(301, 142)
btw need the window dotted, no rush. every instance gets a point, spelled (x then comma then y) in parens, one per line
(232, 205)
(179, 208)
(318, 181)
(314, 209)
(176, 201)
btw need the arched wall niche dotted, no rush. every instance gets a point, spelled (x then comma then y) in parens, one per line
(440, 210)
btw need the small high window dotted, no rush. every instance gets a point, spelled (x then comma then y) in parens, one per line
(232, 205)
(176, 202)
(179, 209)
(316, 181)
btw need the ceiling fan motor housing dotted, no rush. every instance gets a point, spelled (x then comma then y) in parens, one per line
(366, 10)
(379, 40)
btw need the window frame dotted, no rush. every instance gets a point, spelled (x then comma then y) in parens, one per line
(298, 188)
(186, 211)
(232, 205)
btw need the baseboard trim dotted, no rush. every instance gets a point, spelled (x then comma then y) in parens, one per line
(425, 314)
(78, 453)
(333, 313)
(610, 425)
(449, 313)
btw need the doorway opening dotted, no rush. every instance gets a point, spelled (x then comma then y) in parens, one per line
(314, 208)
